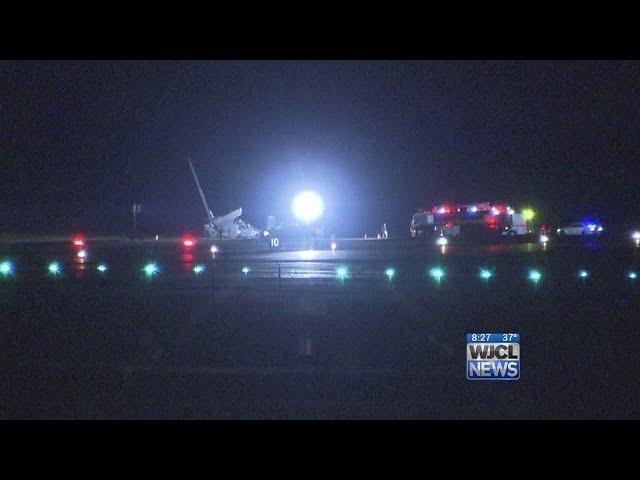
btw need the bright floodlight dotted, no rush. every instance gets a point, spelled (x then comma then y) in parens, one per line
(635, 235)
(632, 275)
(245, 270)
(390, 273)
(101, 268)
(334, 246)
(544, 238)
(583, 274)
(307, 206)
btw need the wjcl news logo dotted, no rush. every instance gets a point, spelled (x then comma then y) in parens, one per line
(493, 356)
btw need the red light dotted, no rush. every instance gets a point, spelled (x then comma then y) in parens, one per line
(442, 210)
(78, 242)
(188, 241)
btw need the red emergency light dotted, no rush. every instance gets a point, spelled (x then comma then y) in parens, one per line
(442, 210)
(188, 241)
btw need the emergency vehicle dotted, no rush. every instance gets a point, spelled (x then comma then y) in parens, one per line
(483, 219)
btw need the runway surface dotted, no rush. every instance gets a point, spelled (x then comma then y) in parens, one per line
(316, 333)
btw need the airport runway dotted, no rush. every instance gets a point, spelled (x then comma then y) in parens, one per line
(316, 333)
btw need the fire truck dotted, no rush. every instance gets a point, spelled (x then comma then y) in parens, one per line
(485, 219)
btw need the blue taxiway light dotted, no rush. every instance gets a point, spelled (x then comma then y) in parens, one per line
(342, 273)
(150, 269)
(437, 273)
(485, 273)
(245, 270)
(101, 268)
(535, 276)
(583, 274)
(198, 269)
(6, 268)
(54, 268)
(390, 273)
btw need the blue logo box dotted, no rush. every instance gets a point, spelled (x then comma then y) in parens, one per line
(493, 356)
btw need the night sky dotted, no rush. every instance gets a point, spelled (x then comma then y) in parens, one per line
(81, 141)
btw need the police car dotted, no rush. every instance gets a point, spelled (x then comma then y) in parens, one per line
(581, 228)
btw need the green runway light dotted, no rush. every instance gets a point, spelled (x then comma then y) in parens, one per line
(390, 273)
(150, 269)
(342, 273)
(632, 275)
(535, 276)
(198, 269)
(583, 274)
(54, 268)
(101, 268)
(485, 273)
(245, 270)
(437, 273)
(6, 268)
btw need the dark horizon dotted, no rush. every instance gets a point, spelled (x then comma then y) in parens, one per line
(83, 140)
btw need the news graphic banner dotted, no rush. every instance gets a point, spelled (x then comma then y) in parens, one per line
(493, 356)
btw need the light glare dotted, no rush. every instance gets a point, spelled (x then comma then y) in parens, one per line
(528, 214)
(307, 206)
